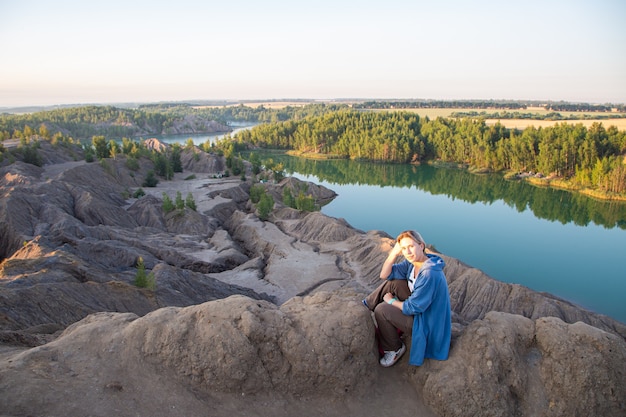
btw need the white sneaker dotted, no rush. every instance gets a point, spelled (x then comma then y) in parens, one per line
(391, 356)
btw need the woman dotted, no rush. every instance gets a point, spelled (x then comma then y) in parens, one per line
(413, 299)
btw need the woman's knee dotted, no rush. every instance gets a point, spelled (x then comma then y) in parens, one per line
(383, 310)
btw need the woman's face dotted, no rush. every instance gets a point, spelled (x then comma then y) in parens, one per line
(411, 249)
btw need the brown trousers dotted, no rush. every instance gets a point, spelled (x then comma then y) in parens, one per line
(389, 318)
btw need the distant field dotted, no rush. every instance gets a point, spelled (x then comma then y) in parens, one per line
(524, 123)
(521, 124)
(278, 104)
(433, 113)
(441, 112)
(542, 111)
(266, 104)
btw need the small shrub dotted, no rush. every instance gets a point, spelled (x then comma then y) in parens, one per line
(175, 161)
(190, 202)
(132, 163)
(143, 280)
(168, 205)
(305, 202)
(31, 155)
(139, 193)
(106, 166)
(89, 155)
(151, 180)
(180, 203)
(265, 206)
(288, 199)
(279, 175)
(256, 192)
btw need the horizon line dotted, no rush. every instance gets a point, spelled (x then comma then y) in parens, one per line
(294, 99)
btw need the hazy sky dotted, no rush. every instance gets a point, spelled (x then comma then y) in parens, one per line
(65, 51)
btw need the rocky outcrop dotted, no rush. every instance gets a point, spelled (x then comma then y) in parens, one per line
(196, 160)
(231, 354)
(154, 144)
(321, 195)
(251, 316)
(509, 365)
(242, 354)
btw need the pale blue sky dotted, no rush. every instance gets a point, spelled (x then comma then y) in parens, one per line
(66, 51)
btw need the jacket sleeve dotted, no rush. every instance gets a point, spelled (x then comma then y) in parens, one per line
(400, 270)
(422, 296)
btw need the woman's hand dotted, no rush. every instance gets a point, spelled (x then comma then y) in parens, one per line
(391, 299)
(396, 250)
(391, 258)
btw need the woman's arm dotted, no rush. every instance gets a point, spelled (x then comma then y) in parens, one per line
(394, 301)
(423, 294)
(391, 258)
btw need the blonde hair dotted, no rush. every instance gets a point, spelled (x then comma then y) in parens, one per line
(412, 234)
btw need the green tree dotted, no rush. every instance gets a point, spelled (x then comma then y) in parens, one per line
(256, 163)
(143, 280)
(235, 164)
(30, 154)
(127, 146)
(256, 192)
(180, 203)
(28, 132)
(43, 131)
(288, 199)
(190, 202)
(175, 158)
(151, 180)
(265, 206)
(277, 170)
(161, 164)
(89, 153)
(168, 205)
(305, 202)
(132, 163)
(616, 177)
(101, 148)
(114, 149)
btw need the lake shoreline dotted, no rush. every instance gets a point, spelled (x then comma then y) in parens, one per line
(537, 180)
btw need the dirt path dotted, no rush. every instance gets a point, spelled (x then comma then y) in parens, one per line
(51, 171)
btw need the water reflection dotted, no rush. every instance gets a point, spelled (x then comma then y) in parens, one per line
(545, 203)
(199, 138)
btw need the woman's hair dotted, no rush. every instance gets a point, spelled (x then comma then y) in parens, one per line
(411, 234)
